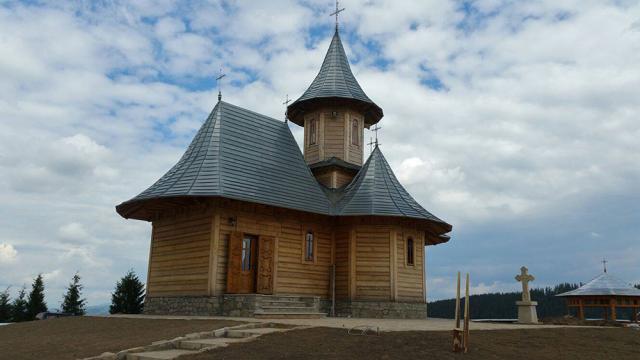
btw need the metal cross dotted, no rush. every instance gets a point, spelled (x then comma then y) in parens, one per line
(375, 129)
(218, 83)
(286, 104)
(604, 264)
(370, 144)
(335, 13)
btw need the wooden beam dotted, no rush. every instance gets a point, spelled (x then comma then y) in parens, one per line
(352, 264)
(393, 264)
(150, 254)
(213, 253)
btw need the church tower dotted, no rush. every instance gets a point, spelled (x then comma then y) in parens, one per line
(334, 111)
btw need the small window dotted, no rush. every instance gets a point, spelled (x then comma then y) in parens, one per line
(355, 132)
(410, 251)
(246, 254)
(308, 246)
(312, 132)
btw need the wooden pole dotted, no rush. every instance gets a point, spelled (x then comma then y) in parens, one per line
(458, 303)
(581, 310)
(634, 315)
(466, 316)
(613, 309)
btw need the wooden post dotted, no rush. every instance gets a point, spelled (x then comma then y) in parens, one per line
(393, 264)
(580, 309)
(458, 303)
(352, 264)
(612, 302)
(213, 253)
(466, 317)
(634, 315)
(457, 332)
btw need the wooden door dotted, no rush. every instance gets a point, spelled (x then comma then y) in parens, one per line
(266, 250)
(241, 271)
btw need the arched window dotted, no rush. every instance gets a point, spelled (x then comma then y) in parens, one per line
(312, 132)
(410, 251)
(355, 132)
(309, 246)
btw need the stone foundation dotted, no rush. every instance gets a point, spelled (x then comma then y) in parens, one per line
(246, 305)
(183, 305)
(380, 309)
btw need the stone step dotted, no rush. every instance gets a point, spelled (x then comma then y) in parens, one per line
(160, 355)
(245, 333)
(283, 303)
(208, 343)
(288, 315)
(287, 309)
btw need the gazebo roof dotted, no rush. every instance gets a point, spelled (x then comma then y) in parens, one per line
(604, 284)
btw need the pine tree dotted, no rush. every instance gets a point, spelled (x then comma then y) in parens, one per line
(5, 306)
(72, 302)
(35, 300)
(637, 286)
(19, 307)
(128, 297)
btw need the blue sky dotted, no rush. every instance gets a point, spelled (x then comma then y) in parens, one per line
(516, 121)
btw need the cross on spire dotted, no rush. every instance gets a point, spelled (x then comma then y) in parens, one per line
(604, 264)
(375, 130)
(286, 104)
(218, 81)
(335, 13)
(371, 143)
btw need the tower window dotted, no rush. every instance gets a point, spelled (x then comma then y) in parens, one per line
(355, 132)
(410, 252)
(309, 246)
(312, 132)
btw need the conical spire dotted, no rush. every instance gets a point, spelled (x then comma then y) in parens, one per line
(335, 82)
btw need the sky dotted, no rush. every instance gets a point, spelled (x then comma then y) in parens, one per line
(515, 121)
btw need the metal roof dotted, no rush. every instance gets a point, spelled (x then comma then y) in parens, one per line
(335, 80)
(242, 155)
(376, 191)
(604, 284)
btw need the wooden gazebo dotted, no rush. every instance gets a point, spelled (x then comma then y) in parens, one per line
(606, 292)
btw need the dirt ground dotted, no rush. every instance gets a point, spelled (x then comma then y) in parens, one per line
(328, 343)
(78, 337)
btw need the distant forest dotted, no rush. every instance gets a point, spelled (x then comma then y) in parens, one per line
(503, 305)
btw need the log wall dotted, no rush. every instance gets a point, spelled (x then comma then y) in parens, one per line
(179, 256)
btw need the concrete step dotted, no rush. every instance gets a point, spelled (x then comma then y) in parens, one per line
(282, 303)
(199, 344)
(288, 315)
(287, 309)
(160, 355)
(245, 333)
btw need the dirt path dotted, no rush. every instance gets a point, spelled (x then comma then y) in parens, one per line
(331, 343)
(72, 338)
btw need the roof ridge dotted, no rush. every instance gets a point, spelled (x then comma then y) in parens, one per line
(217, 109)
(386, 174)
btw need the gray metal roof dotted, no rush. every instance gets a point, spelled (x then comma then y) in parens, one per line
(242, 155)
(239, 154)
(604, 284)
(376, 191)
(335, 80)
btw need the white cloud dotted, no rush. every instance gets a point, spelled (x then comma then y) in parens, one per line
(530, 142)
(8, 253)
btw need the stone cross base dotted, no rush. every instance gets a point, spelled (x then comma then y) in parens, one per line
(527, 312)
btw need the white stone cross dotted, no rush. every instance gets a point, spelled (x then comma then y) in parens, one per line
(525, 278)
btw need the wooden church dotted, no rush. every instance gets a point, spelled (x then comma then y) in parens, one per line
(245, 224)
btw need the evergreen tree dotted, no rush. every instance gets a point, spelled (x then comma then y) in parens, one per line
(19, 307)
(5, 306)
(637, 286)
(35, 300)
(128, 297)
(72, 302)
